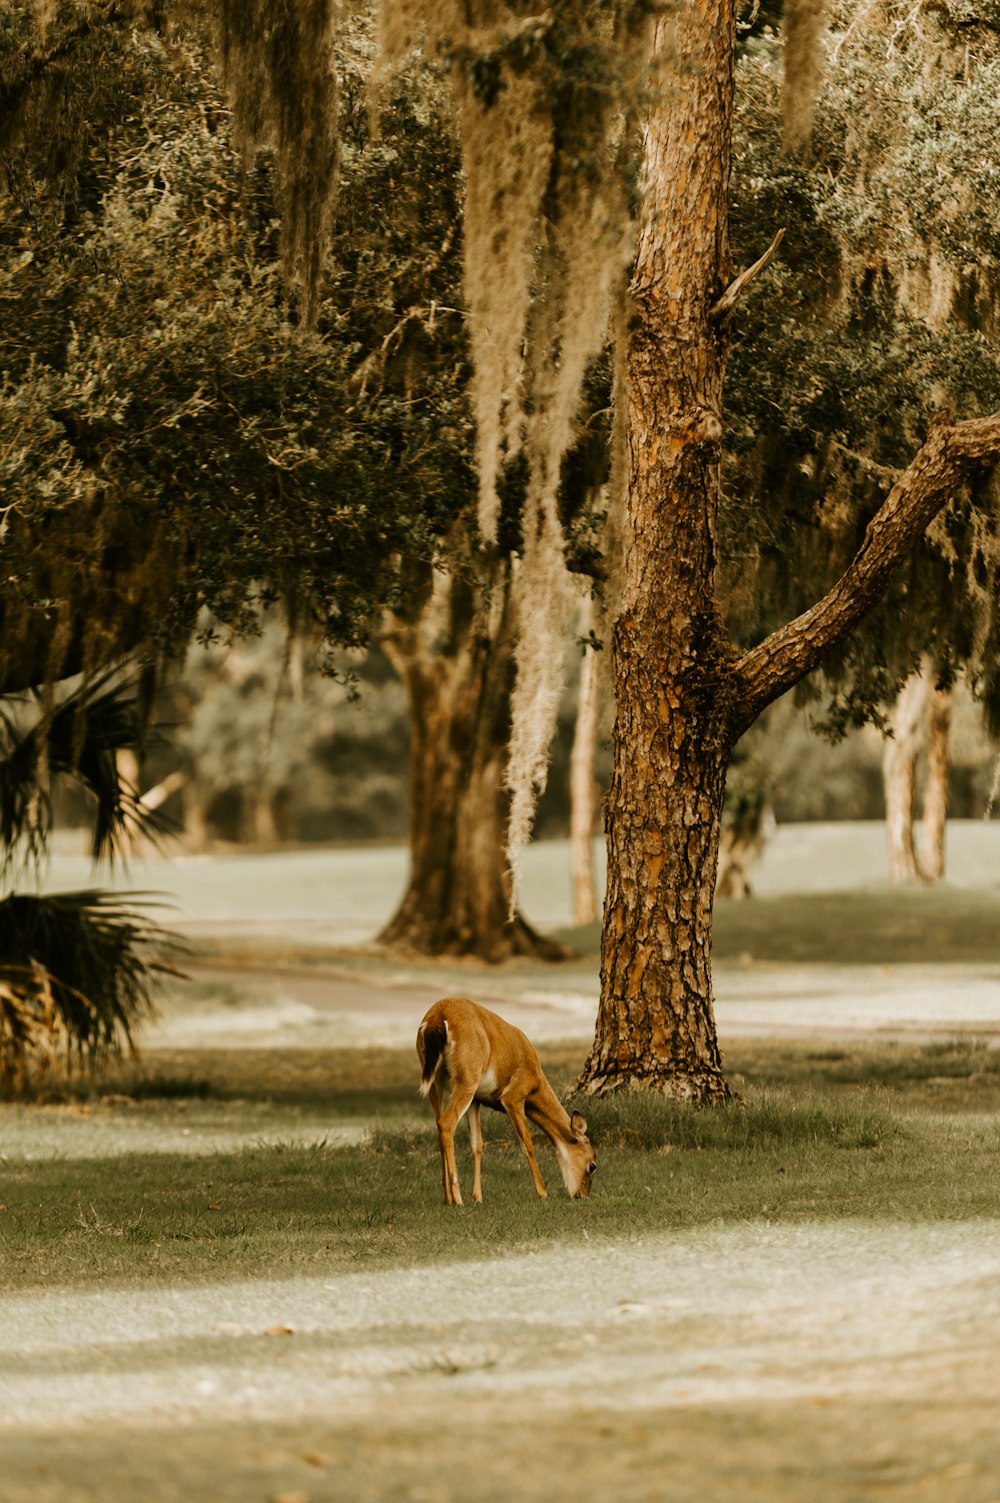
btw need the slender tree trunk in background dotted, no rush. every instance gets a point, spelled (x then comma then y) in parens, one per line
(744, 836)
(196, 836)
(899, 776)
(583, 791)
(456, 661)
(261, 818)
(156, 797)
(672, 659)
(922, 720)
(931, 860)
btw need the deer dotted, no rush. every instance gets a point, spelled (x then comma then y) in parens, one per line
(482, 1060)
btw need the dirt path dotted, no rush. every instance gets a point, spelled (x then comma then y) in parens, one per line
(369, 1005)
(699, 1317)
(693, 1330)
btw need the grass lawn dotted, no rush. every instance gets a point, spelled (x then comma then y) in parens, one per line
(902, 1132)
(937, 926)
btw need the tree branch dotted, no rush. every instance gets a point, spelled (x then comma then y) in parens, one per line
(951, 452)
(727, 302)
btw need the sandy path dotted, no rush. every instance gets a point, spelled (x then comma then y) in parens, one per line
(332, 1007)
(816, 1312)
(840, 1363)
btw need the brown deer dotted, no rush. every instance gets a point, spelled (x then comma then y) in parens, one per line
(483, 1061)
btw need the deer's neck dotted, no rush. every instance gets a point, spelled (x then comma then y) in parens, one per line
(547, 1112)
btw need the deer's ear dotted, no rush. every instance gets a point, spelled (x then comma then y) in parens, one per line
(578, 1125)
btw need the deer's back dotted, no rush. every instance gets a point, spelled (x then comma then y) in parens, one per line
(482, 1049)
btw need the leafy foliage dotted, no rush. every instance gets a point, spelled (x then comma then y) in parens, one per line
(170, 440)
(75, 976)
(76, 969)
(77, 737)
(879, 313)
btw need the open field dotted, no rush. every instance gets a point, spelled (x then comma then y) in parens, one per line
(800, 1288)
(212, 1165)
(225, 1273)
(342, 896)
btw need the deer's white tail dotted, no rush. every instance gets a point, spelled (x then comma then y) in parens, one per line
(431, 1041)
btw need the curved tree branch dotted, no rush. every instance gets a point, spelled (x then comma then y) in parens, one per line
(724, 305)
(951, 452)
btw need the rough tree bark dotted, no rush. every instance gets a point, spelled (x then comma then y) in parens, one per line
(673, 661)
(456, 661)
(684, 695)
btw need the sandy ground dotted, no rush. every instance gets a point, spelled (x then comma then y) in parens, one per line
(344, 896)
(332, 1007)
(754, 1362)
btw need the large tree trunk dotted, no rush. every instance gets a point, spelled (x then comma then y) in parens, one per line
(683, 694)
(456, 661)
(672, 660)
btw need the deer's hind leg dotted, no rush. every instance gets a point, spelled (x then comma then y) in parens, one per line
(458, 1104)
(476, 1134)
(436, 1098)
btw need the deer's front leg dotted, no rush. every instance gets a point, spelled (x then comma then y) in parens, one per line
(515, 1111)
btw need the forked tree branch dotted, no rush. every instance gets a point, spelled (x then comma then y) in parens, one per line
(951, 452)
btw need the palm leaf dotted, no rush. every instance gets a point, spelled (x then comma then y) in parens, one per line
(78, 738)
(76, 971)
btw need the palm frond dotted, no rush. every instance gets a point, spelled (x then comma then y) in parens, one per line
(76, 977)
(78, 738)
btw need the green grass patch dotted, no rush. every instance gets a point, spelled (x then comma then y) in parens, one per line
(818, 1133)
(882, 927)
(350, 1082)
(957, 1075)
(864, 928)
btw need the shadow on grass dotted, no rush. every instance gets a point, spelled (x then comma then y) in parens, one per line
(763, 1120)
(346, 1083)
(276, 1209)
(959, 1074)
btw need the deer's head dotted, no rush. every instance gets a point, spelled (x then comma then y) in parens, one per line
(577, 1159)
